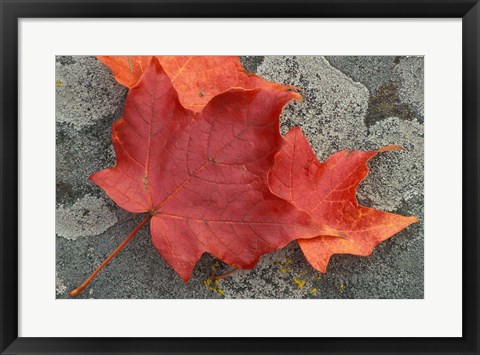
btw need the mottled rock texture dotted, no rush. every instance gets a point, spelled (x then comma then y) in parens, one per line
(348, 102)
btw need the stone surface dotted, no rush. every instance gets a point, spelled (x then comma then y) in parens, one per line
(397, 79)
(88, 216)
(411, 77)
(349, 102)
(85, 93)
(333, 108)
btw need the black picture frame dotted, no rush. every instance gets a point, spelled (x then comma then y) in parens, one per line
(11, 11)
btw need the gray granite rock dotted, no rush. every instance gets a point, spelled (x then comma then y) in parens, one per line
(349, 102)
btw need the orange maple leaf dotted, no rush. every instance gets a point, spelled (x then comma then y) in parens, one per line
(326, 191)
(203, 176)
(197, 79)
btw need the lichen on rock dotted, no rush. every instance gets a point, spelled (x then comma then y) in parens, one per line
(86, 93)
(88, 216)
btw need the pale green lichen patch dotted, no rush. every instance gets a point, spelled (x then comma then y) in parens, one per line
(60, 286)
(87, 92)
(88, 216)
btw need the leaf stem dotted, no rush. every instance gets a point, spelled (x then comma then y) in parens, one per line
(78, 290)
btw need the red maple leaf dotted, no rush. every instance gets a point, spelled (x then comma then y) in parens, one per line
(196, 79)
(202, 177)
(326, 191)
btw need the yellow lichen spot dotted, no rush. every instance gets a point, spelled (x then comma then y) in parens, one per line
(58, 83)
(313, 291)
(318, 277)
(214, 266)
(213, 286)
(284, 266)
(341, 288)
(300, 283)
(288, 261)
(207, 282)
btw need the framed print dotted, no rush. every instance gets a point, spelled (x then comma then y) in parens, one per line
(204, 177)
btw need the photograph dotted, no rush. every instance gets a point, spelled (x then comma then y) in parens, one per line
(305, 174)
(239, 177)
